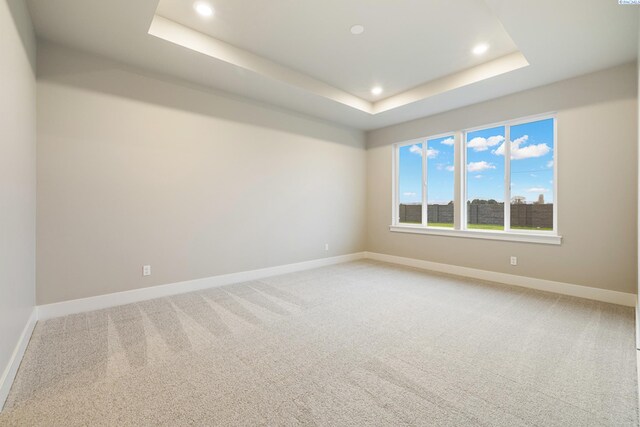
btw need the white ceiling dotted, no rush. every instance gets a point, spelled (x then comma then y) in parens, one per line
(405, 43)
(300, 55)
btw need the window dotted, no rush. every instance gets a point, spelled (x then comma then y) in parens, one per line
(410, 183)
(485, 179)
(440, 182)
(433, 158)
(532, 177)
(496, 181)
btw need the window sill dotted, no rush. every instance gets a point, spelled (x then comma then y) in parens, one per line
(532, 237)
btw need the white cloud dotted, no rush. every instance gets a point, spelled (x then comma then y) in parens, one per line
(550, 164)
(408, 194)
(478, 177)
(530, 151)
(483, 144)
(450, 168)
(431, 153)
(416, 149)
(448, 141)
(479, 166)
(538, 190)
(518, 152)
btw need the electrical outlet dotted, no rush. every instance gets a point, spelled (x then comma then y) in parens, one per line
(514, 260)
(146, 270)
(326, 246)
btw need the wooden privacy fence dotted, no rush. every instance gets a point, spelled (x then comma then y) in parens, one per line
(522, 215)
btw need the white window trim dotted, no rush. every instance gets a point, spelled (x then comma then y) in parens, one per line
(528, 237)
(460, 189)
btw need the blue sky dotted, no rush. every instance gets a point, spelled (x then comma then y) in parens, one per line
(440, 152)
(531, 165)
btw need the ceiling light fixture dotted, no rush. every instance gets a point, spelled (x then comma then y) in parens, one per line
(357, 30)
(376, 90)
(204, 9)
(480, 49)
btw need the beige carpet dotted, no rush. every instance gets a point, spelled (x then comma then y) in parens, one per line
(354, 344)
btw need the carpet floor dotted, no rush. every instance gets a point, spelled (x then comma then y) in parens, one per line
(360, 343)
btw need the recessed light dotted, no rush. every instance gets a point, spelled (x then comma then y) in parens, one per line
(357, 29)
(480, 49)
(376, 90)
(204, 9)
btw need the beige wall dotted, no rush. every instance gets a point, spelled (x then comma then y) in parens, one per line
(135, 169)
(638, 231)
(17, 174)
(597, 161)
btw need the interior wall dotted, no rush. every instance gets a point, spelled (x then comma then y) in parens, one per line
(638, 231)
(17, 174)
(136, 169)
(597, 121)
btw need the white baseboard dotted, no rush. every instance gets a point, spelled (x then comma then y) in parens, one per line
(9, 374)
(64, 308)
(604, 295)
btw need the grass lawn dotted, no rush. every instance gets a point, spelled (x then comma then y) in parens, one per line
(515, 227)
(484, 227)
(480, 226)
(440, 224)
(432, 224)
(500, 227)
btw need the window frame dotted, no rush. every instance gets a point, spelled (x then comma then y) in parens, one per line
(460, 228)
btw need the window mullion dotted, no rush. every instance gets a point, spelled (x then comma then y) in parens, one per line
(458, 182)
(555, 175)
(507, 178)
(395, 165)
(424, 184)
